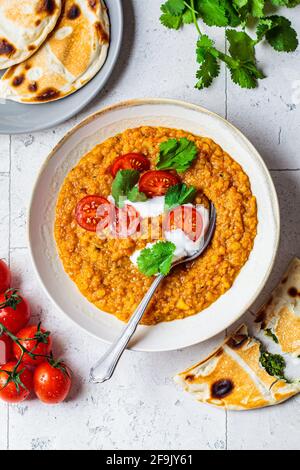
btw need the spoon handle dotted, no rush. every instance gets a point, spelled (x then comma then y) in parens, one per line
(105, 367)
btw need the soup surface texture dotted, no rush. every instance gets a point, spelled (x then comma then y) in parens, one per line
(102, 269)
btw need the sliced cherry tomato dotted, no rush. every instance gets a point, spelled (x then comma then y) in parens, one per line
(92, 212)
(127, 222)
(6, 348)
(52, 382)
(186, 218)
(37, 341)
(14, 311)
(156, 183)
(15, 386)
(131, 161)
(5, 276)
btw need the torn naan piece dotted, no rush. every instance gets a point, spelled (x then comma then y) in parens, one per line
(279, 318)
(70, 58)
(24, 26)
(240, 375)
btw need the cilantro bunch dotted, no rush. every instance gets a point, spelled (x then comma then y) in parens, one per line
(240, 58)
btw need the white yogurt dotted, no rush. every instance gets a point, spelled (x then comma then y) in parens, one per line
(184, 245)
(150, 208)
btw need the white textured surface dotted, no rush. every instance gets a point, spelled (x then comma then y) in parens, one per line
(141, 408)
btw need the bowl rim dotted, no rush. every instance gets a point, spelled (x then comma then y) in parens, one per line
(186, 105)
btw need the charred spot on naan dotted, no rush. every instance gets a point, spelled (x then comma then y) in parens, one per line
(74, 12)
(6, 48)
(46, 6)
(222, 388)
(93, 4)
(293, 292)
(33, 87)
(17, 81)
(47, 95)
(102, 33)
(31, 47)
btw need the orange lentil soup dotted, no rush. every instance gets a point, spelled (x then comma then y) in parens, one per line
(102, 269)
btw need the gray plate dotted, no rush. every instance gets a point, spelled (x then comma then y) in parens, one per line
(16, 118)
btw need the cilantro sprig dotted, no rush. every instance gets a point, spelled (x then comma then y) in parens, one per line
(157, 259)
(178, 195)
(124, 187)
(241, 57)
(176, 154)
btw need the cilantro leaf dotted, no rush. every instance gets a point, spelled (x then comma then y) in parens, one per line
(123, 183)
(274, 364)
(285, 3)
(177, 154)
(170, 21)
(278, 32)
(242, 62)
(175, 13)
(178, 195)
(210, 67)
(135, 195)
(175, 7)
(157, 259)
(218, 13)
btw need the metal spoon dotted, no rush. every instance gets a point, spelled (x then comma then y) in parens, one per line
(106, 366)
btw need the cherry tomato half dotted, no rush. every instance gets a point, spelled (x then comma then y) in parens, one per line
(156, 182)
(19, 386)
(92, 212)
(186, 218)
(131, 161)
(14, 311)
(5, 276)
(36, 340)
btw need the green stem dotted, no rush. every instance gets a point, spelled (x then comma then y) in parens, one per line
(192, 8)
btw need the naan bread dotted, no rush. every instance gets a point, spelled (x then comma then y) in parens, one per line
(24, 26)
(71, 57)
(280, 317)
(233, 377)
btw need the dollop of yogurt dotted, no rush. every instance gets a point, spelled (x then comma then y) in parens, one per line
(151, 208)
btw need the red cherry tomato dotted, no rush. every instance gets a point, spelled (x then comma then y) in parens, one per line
(126, 223)
(14, 311)
(36, 340)
(52, 382)
(185, 218)
(157, 183)
(5, 276)
(20, 383)
(93, 212)
(6, 349)
(131, 161)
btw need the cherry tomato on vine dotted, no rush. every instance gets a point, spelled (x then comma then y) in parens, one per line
(14, 310)
(15, 383)
(52, 382)
(5, 276)
(37, 341)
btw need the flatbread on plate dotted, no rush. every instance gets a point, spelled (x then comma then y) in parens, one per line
(71, 57)
(234, 378)
(280, 316)
(24, 26)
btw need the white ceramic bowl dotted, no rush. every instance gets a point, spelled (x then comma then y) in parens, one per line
(99, 127)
